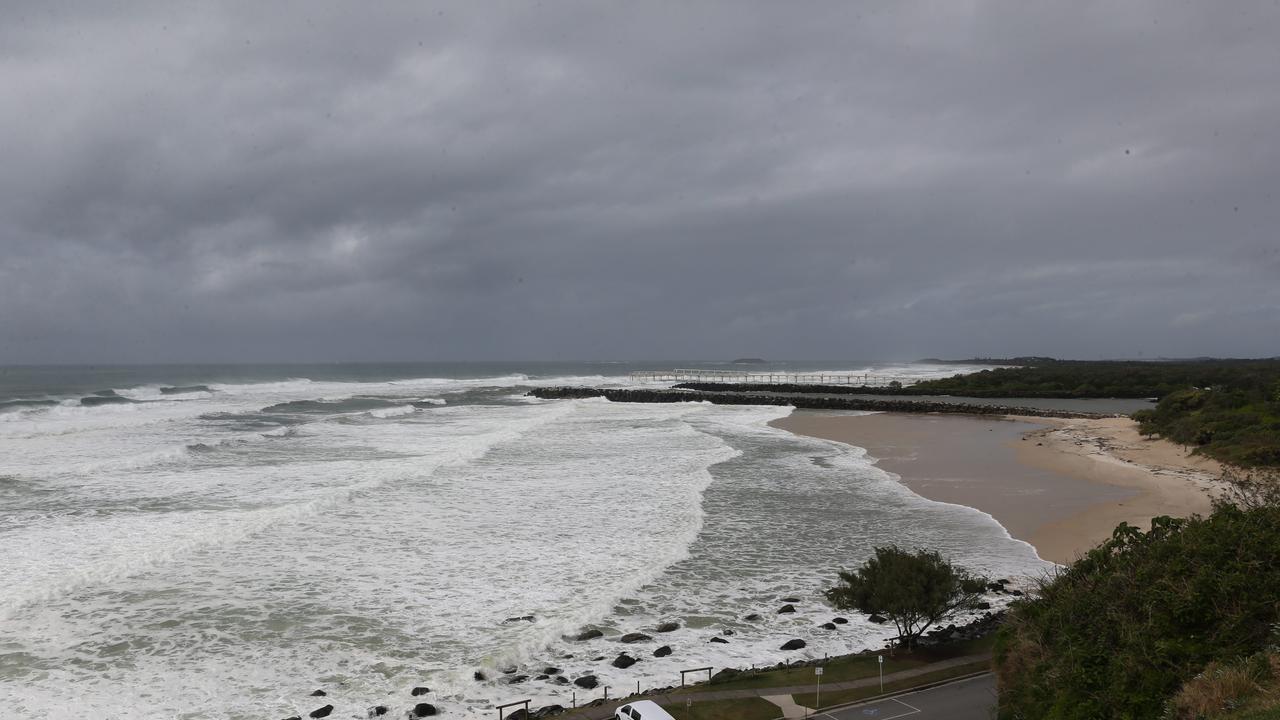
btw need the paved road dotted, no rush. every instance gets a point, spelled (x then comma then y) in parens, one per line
(972, 699)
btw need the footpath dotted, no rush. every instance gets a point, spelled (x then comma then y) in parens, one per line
(780, 696)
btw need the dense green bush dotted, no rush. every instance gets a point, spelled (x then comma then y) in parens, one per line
(1119, 632)
(1107, 378)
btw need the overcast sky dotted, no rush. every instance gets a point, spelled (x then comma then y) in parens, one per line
(627, 180)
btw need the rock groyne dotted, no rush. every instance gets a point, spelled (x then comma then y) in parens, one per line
(799, 400)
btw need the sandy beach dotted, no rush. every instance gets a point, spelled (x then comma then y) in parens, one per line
(1060, 484)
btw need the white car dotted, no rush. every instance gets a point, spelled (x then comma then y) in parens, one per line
(642, 710)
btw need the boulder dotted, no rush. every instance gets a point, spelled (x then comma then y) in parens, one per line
(479, 676)
(752, 617)
(786, 609)
(517, 679)
(663, 651)
(795, 644)
(828, 626)
(551, 670)
(544, 676)
(634, 638)
(728, 631)
(587, 682)
(878, 619)
(982, 606)
(719, 640)
(840, 621)
(668, 627)
(588, 635)
(318, 693)
(424, 710)
(321, 712)
(376, 711)
(561, 680)
(420, 690)
(623, 661)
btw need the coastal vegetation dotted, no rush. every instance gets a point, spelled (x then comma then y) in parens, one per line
(1180, 621)
(915, 590)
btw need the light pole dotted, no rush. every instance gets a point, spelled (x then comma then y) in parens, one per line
(817, 695)
(880, 659)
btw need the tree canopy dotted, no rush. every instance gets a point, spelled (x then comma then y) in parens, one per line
(913, 589)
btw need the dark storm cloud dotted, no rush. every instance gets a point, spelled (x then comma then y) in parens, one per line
(610, 180)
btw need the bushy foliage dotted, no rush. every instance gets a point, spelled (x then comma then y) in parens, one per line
(1240, 425)
(914, 590)
(1119, 632)
(1107, 378)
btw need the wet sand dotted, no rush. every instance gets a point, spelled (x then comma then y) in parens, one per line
(1061, 485)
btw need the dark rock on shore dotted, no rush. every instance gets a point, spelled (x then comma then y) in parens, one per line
(561, 680)
(321, 712)
(668, 627)
(828, 626)
(424, 710)
(728, 632)
(878, 619)
(551, 670)
(719, 640)
(589, 635)
(420, 690)
(377, 711)
(663, 651)
(479, 676)
(509, 670)
(623, 661)
(786, 609)
(634, 638)
(795, 644)
(318, 693)
(752, 617)
(517, 679)
(522, 618)
(840, 620)
(587, 682)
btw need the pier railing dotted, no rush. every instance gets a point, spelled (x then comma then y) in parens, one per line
(770, 377)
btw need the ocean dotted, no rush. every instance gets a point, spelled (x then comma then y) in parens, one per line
(221, 541)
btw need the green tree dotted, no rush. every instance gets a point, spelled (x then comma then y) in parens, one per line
(914, 590)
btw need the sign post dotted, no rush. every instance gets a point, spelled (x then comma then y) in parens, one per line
(880, 659)
(817, 695)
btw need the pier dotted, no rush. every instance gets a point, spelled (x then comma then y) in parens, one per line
(771, 377)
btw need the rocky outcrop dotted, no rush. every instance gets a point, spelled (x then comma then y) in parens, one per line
(321, 712)
(840, 620)
(634, 638)
(786, 609)
(623, 661)
(663, 651)
(795, 644)
(808, 401)
(420, 690)
(587, 682)
(720, 640)
(668, 627)
(423, 710)
(591, 634)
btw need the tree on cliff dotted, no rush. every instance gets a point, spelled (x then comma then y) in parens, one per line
(914, 590)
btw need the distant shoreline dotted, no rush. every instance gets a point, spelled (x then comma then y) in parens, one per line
(1061, 485)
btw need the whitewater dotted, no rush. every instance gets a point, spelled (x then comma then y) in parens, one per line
(207, 544)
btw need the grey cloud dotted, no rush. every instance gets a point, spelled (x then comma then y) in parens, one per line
(560, 180)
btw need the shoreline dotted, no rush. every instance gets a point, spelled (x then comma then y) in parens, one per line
(1059, 484)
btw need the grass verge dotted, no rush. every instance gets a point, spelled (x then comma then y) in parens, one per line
(841, 697)
(744, 709)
